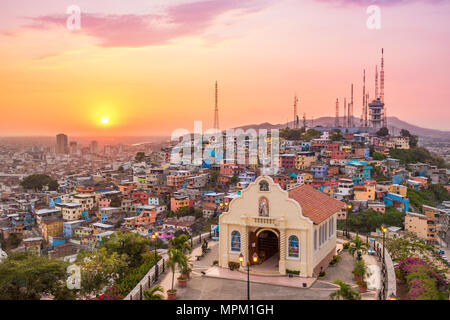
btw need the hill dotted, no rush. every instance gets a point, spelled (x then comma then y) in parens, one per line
(394, 124)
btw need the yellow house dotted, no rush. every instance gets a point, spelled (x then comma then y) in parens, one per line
(287, 230)
(366, 192)
(422, 225)
(52, 228)
(398, 189)
(304, 160)
(308, 176)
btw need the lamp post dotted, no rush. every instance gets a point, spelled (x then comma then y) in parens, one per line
(349, 207)
(384, 229)
(255, 259)
(155, 238)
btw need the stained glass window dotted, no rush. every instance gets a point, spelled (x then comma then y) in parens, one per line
(293, 247)
(235, 241)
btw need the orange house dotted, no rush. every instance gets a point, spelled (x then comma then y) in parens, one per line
(179, 202)
(126, 188)
(146, 217)
(83, 189)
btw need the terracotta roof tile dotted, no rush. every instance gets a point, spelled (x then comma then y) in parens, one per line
(316, 205)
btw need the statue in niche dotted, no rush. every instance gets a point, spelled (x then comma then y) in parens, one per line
(263, 207)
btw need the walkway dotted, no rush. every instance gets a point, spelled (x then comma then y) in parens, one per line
(224, 284)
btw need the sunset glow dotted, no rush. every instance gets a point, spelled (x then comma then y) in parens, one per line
(104, 120)
(150, 67)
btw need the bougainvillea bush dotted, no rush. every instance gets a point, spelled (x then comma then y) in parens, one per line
(423, 282)
(109, 294)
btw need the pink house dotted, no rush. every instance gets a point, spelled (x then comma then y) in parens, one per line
(104, 203)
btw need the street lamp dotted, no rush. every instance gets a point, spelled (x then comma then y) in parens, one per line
(349, 207)
(155, 238)
(255, 260)
(392, 297)
(384, 229)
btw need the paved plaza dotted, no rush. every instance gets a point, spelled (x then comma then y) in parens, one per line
(223, 284)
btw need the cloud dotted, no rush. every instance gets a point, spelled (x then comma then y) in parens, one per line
(382, 2)
(139, 30)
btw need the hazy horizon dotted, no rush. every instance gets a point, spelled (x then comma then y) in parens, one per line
(141, 68)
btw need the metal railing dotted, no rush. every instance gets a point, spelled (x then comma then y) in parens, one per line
(388, 278)
(150, 278)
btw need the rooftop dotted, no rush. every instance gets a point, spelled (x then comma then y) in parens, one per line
(315, 205)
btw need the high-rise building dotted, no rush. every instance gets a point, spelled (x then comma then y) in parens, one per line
(94, 147)
(61, 144)
(73, 147)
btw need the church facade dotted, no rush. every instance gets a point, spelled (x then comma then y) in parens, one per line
(291, 230)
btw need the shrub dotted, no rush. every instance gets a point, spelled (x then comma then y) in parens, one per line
(346, 245)
(215, 263)
(423, 282)
(361, 283)
(335, 260)
(293, 272)
(360, 268)
(322, 274)
(233, 265)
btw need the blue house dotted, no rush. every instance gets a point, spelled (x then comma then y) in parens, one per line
(306, 146)
(398, 178)
(319, 171)
(401, 203)
(69, 226)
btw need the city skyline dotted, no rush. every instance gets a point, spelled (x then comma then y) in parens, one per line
(157, 73)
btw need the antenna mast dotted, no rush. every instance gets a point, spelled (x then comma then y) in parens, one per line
(336, 121)
(295, 113)
(364, 99)
(345, 113)
(350, 112)
(216, 109)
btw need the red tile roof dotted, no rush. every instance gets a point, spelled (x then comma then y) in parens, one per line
(316, 205)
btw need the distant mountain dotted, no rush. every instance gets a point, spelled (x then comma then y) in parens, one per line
(394, 125)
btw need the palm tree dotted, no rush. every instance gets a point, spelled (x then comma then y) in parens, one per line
(181, 243)
(176, 260)
(152, 293)
(357, 245)
(345, 292)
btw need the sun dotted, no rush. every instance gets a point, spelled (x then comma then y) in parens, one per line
(104, 120)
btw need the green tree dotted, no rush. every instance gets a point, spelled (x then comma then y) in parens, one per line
(37, 182)
(291, 134)
(312, 134)
(337, 137)
(416, 154)
(357, 245)
(127, 243)
(213, 175)
(140, 156)
(378, 156)
(176, 260)
(12, 242)
(181, 243)
(383, 132)
(345, 292)
(413, 140)
(154, 293)
(234, 179)
(26, 277)
(100, 268)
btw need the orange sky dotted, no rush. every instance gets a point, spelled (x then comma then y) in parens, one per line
(151, 80)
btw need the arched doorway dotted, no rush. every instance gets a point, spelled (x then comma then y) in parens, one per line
(268, 248)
